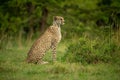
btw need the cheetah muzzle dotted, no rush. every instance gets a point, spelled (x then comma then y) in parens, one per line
(48, 40)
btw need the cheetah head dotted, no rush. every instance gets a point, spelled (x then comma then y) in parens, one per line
(58, 20)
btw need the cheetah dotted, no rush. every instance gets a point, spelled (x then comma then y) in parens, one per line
(49, 40)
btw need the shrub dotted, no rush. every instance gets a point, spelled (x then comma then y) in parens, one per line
(91, 51)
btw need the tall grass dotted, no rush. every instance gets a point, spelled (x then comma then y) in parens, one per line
(13, 67)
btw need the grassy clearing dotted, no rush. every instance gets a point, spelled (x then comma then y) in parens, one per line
(13, 67)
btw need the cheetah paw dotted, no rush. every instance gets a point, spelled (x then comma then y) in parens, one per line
(44, 62)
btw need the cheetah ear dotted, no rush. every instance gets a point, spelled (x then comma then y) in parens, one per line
(55, 18)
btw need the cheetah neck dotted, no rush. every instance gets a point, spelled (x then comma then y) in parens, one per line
(56, 24)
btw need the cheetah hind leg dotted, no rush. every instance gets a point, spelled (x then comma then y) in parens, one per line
(39, 60)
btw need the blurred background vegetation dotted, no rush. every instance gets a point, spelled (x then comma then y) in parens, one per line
(92, 27)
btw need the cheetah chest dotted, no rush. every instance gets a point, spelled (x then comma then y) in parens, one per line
(57, 34)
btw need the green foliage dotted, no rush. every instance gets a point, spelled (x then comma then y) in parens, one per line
(92, 51)
(23, 19)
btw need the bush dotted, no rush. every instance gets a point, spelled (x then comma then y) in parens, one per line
(91, 51)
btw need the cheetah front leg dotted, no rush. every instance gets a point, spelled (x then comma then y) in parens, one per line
(54, 53)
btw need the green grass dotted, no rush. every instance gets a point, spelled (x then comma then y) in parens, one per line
(14, 67)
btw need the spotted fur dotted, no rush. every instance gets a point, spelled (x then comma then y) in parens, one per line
(48, 40)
